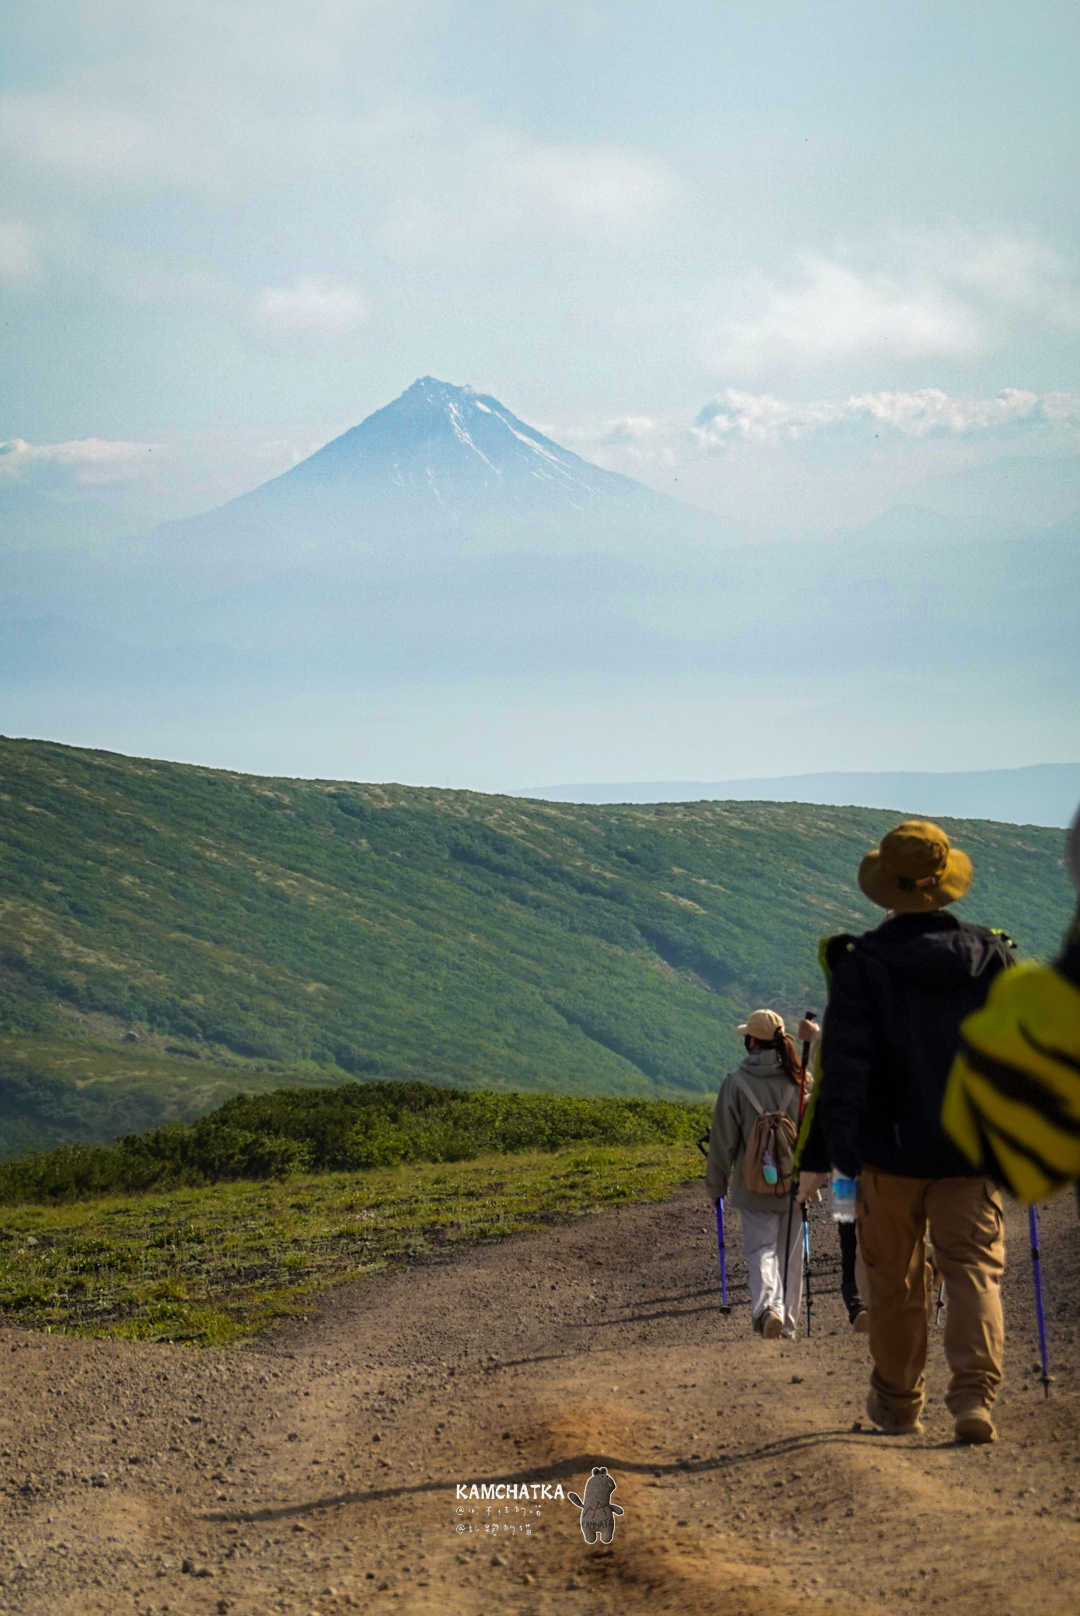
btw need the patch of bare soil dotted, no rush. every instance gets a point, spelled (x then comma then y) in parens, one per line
(316, 1470)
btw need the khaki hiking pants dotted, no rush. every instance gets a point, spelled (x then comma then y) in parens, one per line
(967, 1226)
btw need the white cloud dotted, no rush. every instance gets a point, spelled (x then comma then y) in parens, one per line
(833, 312)
(185, 131)
(1026, 277)
(602, 187)
(79, 135)
(1061, 408)
(626, 430)
(18, 254)
(627, 443)
(431, 168)
(743, 432)
(948, 296)
(310, 307)
(498, 189)
(89, 462)
(761, 418)
(933, 411)
(734, 415)
(124, 487)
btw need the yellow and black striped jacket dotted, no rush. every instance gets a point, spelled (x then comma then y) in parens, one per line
(1012, 1102)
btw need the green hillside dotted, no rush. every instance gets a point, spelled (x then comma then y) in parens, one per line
(170, 935)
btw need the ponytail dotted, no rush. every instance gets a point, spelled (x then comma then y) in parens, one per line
(788, 1056)
(784, 1048)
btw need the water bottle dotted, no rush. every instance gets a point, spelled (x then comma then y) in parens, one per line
(768, 1166)
(843, 1198)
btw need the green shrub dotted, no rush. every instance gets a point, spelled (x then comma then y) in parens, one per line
(355, 1126)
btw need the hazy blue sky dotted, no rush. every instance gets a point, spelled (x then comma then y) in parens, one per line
(846, 232)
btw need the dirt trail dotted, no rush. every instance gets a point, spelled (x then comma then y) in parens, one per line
(315, 1470)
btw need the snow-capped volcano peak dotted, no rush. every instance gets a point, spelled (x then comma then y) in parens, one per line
(429, 390)
(443, 459)
(447, 443)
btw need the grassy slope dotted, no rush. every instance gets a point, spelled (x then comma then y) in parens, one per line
(252, 932)
(214, 1264)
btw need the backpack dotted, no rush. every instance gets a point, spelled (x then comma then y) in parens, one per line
(772, 1141)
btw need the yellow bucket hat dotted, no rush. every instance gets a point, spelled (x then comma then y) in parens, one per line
(915, 869)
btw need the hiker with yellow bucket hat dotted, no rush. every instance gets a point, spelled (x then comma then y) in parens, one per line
(897, 996)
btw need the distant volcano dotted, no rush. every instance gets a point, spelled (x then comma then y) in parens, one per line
(444, 593)
(439, 443)
(442, 459)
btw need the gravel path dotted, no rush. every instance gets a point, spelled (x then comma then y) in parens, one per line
(315, 1470)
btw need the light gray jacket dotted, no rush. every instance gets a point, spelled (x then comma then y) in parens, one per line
(733, 1118)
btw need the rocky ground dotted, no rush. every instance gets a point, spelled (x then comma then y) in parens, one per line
(315, 1470)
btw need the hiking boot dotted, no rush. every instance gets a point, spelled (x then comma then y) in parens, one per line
(772, 1326)
(891, 1423)
(860, 1321)
(975, 1426)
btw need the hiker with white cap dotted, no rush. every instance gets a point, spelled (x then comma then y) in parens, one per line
(897, 996)
(751, 1149)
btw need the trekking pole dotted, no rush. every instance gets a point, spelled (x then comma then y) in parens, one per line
(721, 1249)
(805, 1209)
(703, 1146)
(1036, 1268)
(811, 1015)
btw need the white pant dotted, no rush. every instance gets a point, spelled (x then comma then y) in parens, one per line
(763, 1247)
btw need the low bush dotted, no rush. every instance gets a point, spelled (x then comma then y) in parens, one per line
(358, 1125)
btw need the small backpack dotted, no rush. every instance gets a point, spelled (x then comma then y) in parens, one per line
(771, 1142)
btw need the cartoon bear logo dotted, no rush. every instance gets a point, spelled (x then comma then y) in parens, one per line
(597, 1511)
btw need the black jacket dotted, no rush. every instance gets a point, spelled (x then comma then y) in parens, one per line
(897, 996)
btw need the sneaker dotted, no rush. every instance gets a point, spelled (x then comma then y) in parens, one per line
(886, 1420)
(975, 1426)
(860, 1322)
(772, 1326)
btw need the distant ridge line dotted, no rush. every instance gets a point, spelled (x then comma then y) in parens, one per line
(1045, 794)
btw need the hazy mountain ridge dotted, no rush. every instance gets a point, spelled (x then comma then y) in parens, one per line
(443, 566)
(170, 929)
(1040, 794)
